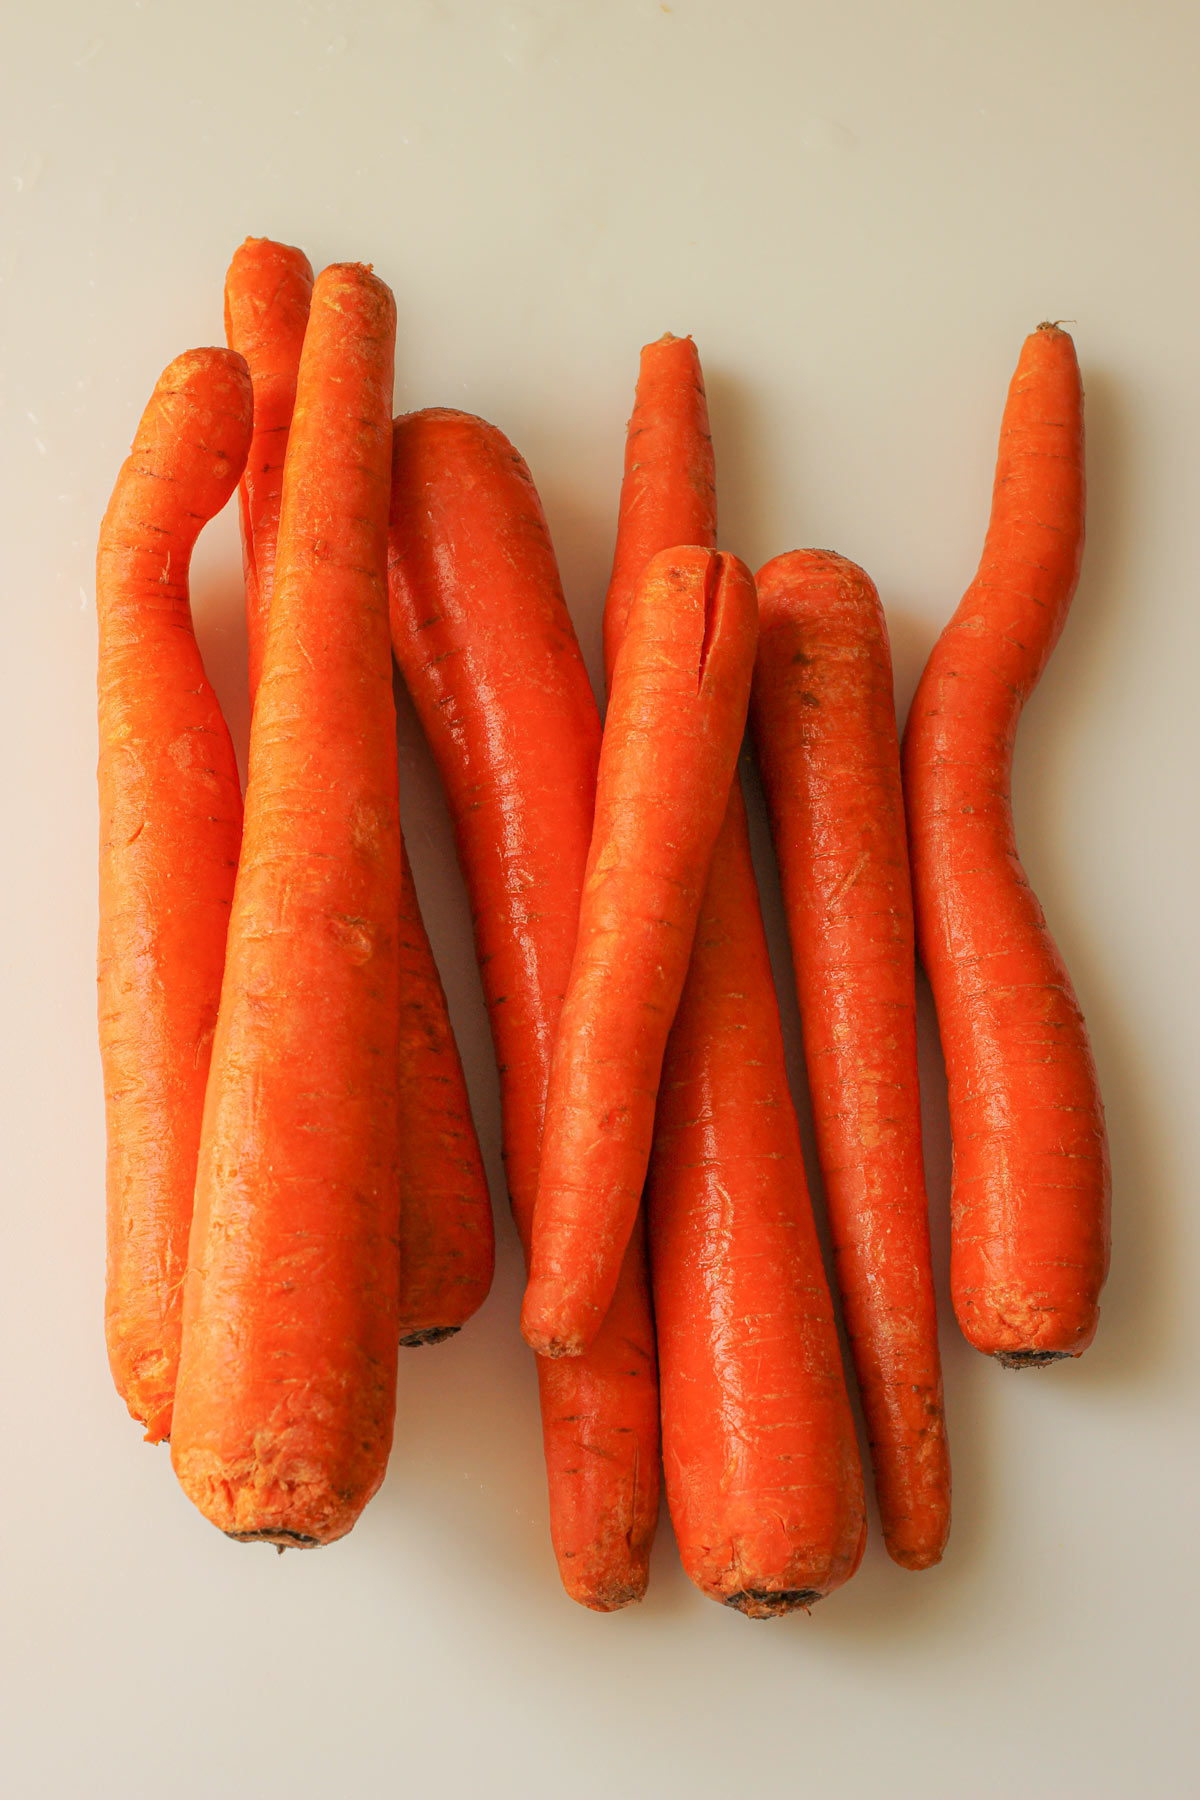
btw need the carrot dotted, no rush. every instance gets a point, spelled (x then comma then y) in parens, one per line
(287, 1377)
(447, 1240)
(486, 648)
(824, 725)
(1030, 1194)
(680, 689)
(759, 1455)
(447, 1243)
(268, 292)
(170, 824)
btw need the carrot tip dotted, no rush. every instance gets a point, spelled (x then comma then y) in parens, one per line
(430, 1334)
(772, 1603)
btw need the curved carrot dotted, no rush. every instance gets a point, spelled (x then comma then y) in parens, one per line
(486, 648)
(170, 824)
(447, 1240)
(679, 695)
(759, 1455)
(1030, 1199)
(268, 292)
(824, 725)
(287, 1377)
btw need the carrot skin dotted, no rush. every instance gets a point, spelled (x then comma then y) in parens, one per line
(447, 1239)
(170, 825)
(287, 1378)
(486, 647)
(1031, 1182)
(268, 294)
(750, 1366)
(680, 690)
(824, 725)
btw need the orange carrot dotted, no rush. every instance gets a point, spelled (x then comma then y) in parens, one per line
(759, 1454)
(485, 644)
(1030, 1198)
(447, 1243)
(447, 1240)
(824, 726)
(287, 1376)
(268, 292)
(170, 824)
(680, 689)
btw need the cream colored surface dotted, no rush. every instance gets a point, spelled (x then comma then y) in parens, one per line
(858, 211)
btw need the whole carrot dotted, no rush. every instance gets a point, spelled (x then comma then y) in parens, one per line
(268, 292)
(759, 1454)
(486, 647)
(170, 824)
(824, 726)
(286, 1396)
(447, 1244)
(680, 689)
(1030, 1199)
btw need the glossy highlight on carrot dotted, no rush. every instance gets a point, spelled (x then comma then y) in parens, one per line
(824, 725)
(759, 1456)
(1031, 1181)
(268, 293)
(680, 690)
(486, 647)
(170, 825)
(287, 1380)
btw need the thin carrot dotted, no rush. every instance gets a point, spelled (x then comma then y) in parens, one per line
(286, 1396)
(1030, 1198)
(447, 1242)
(268, 292)
(447, 1239)
(170, 824)
(680, 688)
(824, 726)
(759, 1455)
(486, 648)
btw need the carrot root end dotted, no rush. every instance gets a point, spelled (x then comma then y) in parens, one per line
(1030, 1359)
(429, 1334)
(772, 1603)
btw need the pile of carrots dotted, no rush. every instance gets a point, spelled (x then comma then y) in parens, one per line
(295, 1189)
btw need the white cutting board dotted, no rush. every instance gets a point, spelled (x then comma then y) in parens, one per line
(858, 211)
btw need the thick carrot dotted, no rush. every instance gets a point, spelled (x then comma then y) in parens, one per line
(447, 1242)
(824, 726)
(486, 647)
(1030, 1197)
(759, 1455)
(170, 824)
(287, 1376)
(268, 292)
(680, 689)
